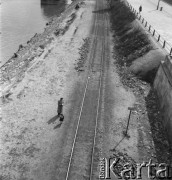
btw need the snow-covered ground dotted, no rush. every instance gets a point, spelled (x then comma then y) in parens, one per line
(161, 21)
(69, 2)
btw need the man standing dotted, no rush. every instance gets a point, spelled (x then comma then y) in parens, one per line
(60, 107)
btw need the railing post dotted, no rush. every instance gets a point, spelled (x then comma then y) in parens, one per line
(164, 44)
(171, 51)
(154, 32)
(149, 28)
(146, 24)
(142, 20)
(158, 37)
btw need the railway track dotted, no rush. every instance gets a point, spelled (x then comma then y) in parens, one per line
(82, 156)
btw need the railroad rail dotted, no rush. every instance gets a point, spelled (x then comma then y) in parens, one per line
(87, 142)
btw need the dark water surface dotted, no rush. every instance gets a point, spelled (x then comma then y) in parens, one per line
(21, 19)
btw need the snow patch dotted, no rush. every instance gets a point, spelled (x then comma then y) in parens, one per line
(161, 21)
(69, 2)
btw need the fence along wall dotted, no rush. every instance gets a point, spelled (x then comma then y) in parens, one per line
(163, 86)
(163, 80)
(167, 46)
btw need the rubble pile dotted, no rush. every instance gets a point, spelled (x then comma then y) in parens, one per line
(122, 159)
(83, 51)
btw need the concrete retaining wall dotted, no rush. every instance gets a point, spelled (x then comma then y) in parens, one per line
(163, 86)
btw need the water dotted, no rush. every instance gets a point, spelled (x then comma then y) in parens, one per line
(21, 19)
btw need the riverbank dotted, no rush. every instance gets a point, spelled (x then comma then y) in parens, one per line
(18, 24)
(45, 70)
(12, 71)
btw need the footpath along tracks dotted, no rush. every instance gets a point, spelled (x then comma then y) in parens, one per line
(81, 161)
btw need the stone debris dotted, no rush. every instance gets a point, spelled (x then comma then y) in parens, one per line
(83, 51)
(148, 110)
(123, 160)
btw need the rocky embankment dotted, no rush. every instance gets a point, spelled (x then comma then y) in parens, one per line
(132, 51)
(12, 72)
(32, 82)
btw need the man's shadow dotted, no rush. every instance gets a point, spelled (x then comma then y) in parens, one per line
(58, 125)
(52, 120)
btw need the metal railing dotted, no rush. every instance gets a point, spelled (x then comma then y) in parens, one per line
(165, 45)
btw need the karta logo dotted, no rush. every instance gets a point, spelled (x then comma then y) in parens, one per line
(130, 171)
